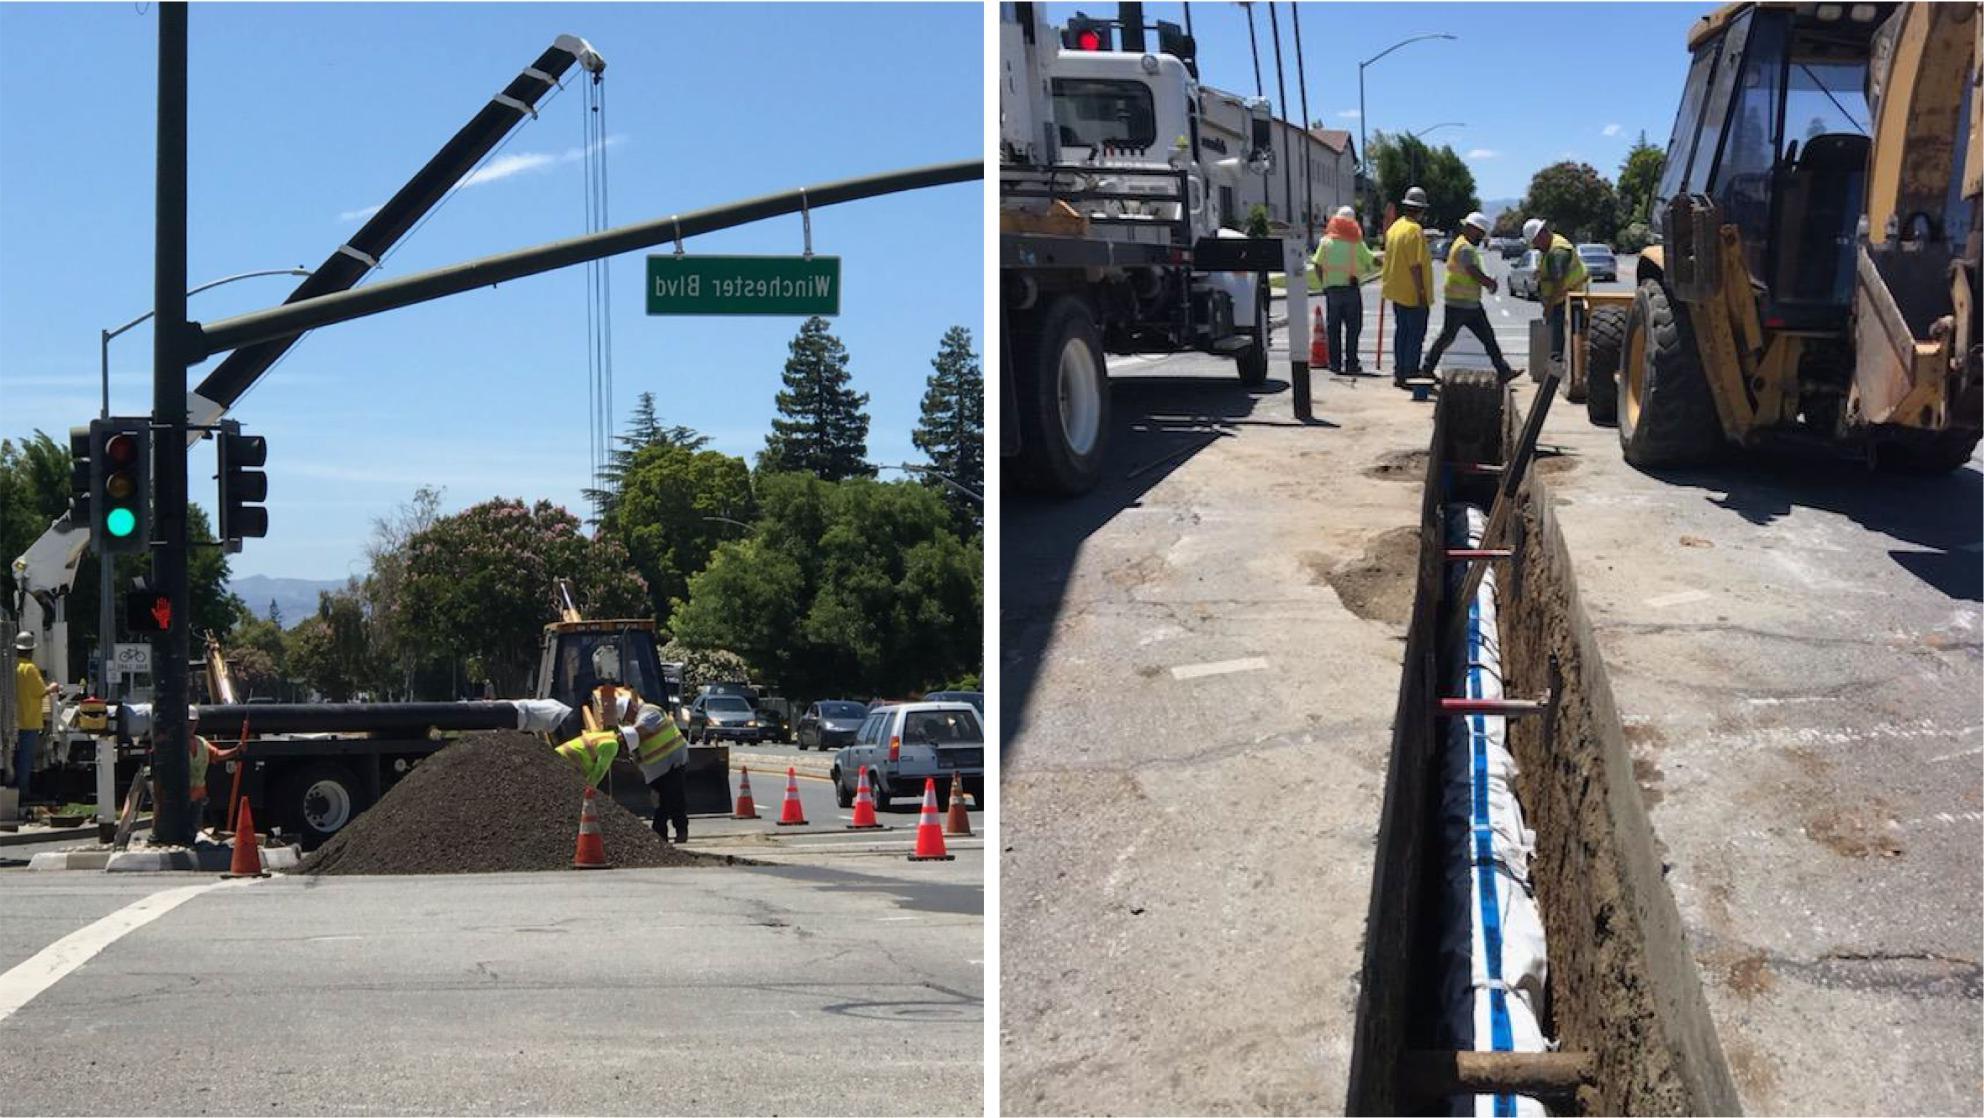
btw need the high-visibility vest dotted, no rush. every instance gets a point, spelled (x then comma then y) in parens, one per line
(592, 754)
(196, 767)
(659, 752)
(1574, 276)
(1337, 261)
(1460, 287)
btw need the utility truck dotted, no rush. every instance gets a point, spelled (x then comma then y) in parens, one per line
(1110, 230)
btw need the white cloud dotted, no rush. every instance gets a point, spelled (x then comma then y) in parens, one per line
(506, 166)
(1350, 114)
(1610, 130)
(1482, 153)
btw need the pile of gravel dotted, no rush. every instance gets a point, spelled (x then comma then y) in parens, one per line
(493, 802)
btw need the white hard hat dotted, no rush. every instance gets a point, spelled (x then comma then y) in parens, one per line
(1532, 227)
(25, 641)
(1477, 219)
(1346, 211)
(1415, 197)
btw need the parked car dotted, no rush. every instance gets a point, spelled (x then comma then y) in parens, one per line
(975, 698)
(905, 744)
(1522, 277)
(723, 718)
(1599, 261)
(774, 717)
(831, 724)
(735, 687)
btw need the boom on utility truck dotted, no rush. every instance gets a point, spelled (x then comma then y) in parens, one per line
(1818, 277)
(1110, 232)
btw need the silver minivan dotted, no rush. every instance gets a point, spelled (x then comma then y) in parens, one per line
(902, 745)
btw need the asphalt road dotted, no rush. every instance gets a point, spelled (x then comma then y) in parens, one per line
(774, 989)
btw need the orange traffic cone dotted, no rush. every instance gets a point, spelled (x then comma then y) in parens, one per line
(591, 851)
(957, 822)
(247, 847)
(864, 806)
(747, 808)
(929, 832)
(1319, 342)
(791, 814)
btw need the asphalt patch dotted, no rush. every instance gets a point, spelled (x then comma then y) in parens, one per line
(496, 802)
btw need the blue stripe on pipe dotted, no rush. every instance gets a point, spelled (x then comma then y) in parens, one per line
(1501, 1036)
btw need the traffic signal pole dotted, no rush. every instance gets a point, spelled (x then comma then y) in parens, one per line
(172, 823)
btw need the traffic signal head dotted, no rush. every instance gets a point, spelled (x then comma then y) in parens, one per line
(1084, 33)
(243, 486)
(121, 459)
(82, 474)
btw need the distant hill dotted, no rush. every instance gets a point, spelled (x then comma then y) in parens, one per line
(295, 597)
(1491, 207)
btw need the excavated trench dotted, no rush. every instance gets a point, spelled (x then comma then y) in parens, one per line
(1622, 1002)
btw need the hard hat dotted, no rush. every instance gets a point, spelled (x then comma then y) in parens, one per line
(1532, 227)
(1477, 219)
(1415, 197)
(25, 641)
(1346, 212)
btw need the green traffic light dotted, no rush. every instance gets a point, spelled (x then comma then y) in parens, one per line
(120, 522)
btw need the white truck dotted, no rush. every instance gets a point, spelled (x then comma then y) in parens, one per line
(1111, 237)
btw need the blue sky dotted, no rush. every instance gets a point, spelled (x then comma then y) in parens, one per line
(302, 115)
(1533, 83)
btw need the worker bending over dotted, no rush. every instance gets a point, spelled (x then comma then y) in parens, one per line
(1559, 271)
(1409, 283)
(1465, 279)
(1342, 262)
(658, 747)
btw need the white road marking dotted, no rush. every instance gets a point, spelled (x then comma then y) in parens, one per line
(1954, 756)
(894, 919)
(1679, 598)
(26, 981)
(1221, 667)
(1779, 701)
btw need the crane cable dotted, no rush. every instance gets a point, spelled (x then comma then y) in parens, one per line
(599, 299)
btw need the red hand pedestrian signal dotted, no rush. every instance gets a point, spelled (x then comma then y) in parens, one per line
(162, 612)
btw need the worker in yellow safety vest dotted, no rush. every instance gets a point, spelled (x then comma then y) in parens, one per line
(1343, 262)
(1465, 280)
(1409, 283)
(1559, 272)
(592, 753)
(658, 747)
(200, 753)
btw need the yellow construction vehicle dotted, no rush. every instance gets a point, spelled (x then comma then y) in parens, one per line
(1817, 280)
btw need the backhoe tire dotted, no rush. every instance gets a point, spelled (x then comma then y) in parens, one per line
(1605, 341)
(1253, 361)
(1666, 413)
(1062, 383)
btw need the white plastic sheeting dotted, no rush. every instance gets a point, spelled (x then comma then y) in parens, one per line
(539, 716)
(1491, 952)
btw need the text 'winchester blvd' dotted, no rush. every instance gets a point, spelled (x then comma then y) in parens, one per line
(743, 285)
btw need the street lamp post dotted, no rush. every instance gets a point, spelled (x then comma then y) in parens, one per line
(943, 477)
(1443, 124)
(1363, 149)
(106, 618)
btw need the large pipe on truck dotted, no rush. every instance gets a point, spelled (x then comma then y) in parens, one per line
(226, 719)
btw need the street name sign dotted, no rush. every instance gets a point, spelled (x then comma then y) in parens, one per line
(744, 285)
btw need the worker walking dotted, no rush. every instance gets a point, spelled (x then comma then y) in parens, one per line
(1465, 279)
(31, 694)
(1408, 283)
(1343, 262)
(658, 747)
(1559, 272)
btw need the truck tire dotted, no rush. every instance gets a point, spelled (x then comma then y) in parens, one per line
(1605, 340)
(842, 796)
(1253, 361)
(1063, 390)
(319, 800)
(1666, 414)
(875, 790)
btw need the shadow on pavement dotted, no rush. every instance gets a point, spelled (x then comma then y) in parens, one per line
(1158, 423)
(1944, 514)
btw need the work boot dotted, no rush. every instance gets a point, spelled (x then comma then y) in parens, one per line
(1507, 374)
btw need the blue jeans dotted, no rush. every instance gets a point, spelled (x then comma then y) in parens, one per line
(24, 754)
(1411, 339)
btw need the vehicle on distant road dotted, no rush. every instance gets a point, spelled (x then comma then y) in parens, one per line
(1599, 262)
(775, 717)
(830, 724)
(1513, 248)
(1438, 247)
(975, 698)
(902, 745)
(1522, 277)
(724, 718)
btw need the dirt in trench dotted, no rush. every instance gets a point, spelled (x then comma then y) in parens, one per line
(494, 802)
(1378, 586)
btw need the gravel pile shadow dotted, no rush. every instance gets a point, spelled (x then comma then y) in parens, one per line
(495, 802)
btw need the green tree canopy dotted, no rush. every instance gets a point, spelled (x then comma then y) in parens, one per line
(952, 430)
(1575, 199)
(822, 427)
(644, 429)
(669, 497)
(329, 651)
(858, 586)
(1639, 178)
(1403, 162)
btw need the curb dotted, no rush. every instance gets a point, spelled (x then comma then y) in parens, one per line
(214, 858)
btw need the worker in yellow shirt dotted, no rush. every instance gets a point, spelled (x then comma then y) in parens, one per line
(1343, 262)
(31, 694)
(1408, 283)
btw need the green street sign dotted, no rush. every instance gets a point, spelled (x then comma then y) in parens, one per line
(770, 285)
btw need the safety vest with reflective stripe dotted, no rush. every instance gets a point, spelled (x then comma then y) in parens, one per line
(1462, 288)
(1336, 261)
(197, 756)
(660, 752)
(1554, 289)
(592, 754)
